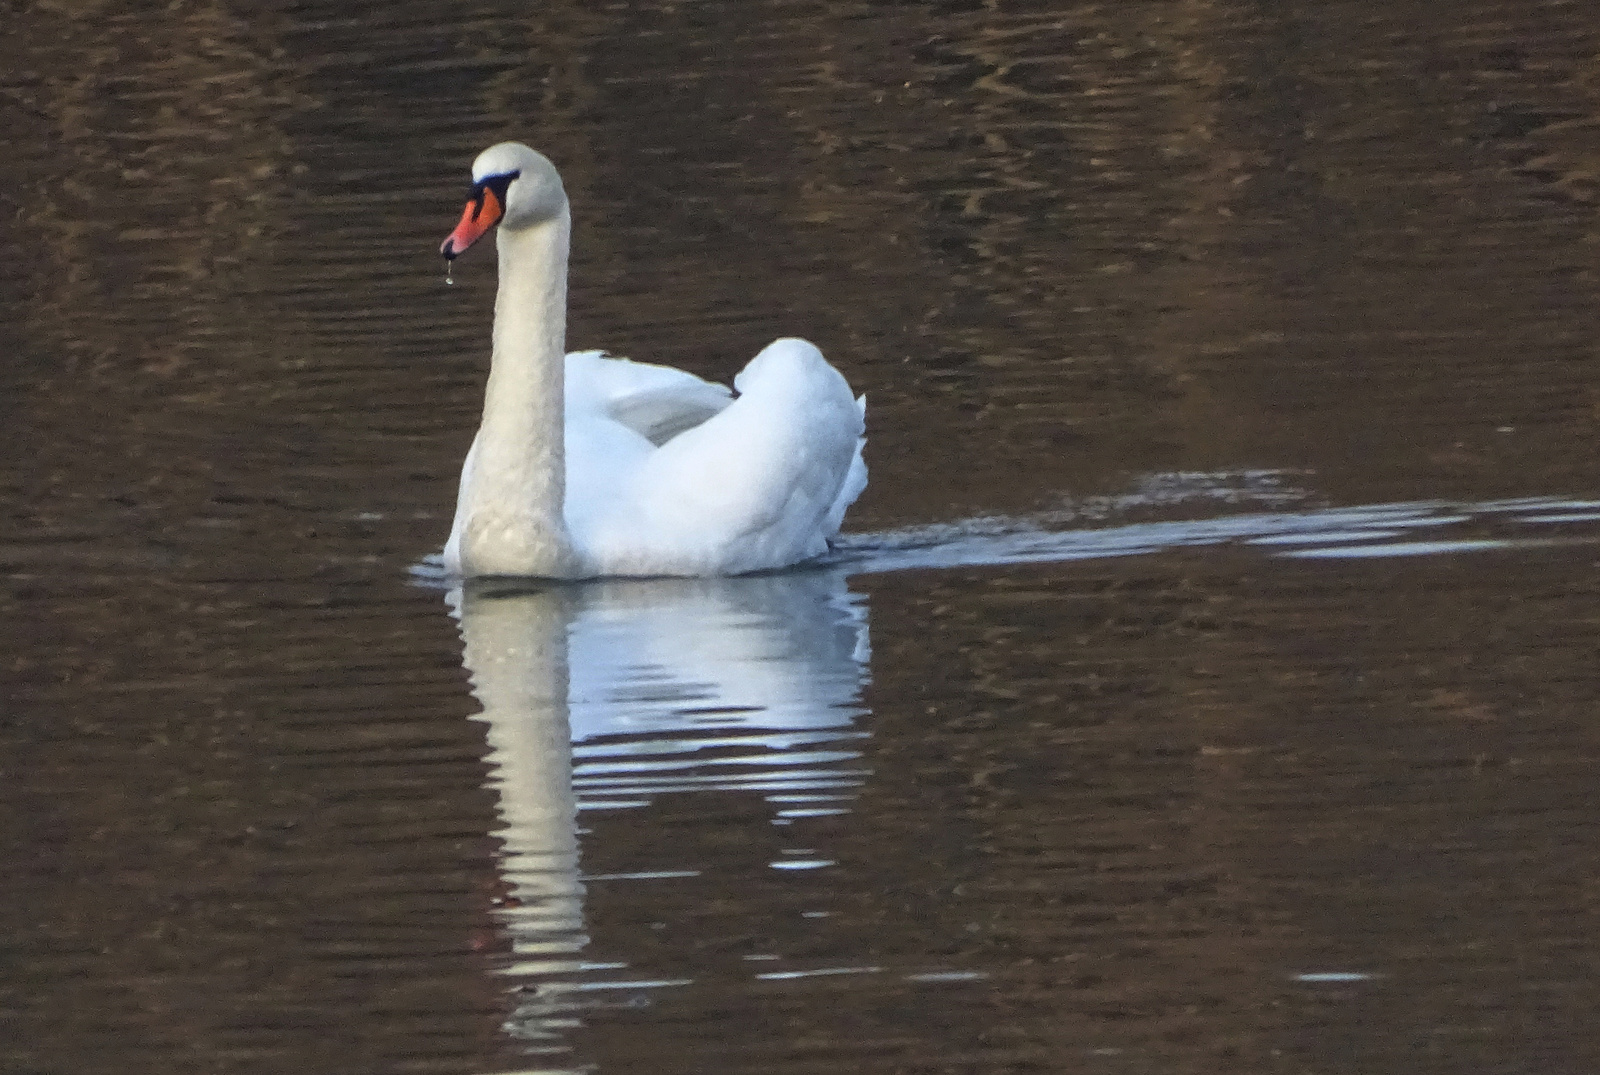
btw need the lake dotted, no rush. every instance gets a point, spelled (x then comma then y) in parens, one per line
(1206, 680)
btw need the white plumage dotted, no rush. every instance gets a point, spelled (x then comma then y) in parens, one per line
(587, 465)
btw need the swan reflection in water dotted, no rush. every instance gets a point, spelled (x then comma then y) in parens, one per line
(605, 695)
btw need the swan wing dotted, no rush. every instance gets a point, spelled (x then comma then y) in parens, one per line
(657, 402)
(764, 482)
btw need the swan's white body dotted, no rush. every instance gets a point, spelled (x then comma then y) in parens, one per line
(587, 465)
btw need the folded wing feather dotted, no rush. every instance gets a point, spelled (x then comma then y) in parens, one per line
(656, 402)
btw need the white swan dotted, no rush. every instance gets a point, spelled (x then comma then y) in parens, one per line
(587, 465)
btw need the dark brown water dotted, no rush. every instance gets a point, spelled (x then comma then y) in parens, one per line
(1211, 685)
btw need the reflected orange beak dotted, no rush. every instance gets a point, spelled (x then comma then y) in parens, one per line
(483, 212)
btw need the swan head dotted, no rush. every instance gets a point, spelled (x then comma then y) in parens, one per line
(512, 186)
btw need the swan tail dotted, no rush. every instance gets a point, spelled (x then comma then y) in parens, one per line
(855, 478)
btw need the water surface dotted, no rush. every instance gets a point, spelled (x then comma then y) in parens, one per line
(1208, 682)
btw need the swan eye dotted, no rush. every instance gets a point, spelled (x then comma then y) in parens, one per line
(493, 184)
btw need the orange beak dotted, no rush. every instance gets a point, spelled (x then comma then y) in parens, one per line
(483, 212)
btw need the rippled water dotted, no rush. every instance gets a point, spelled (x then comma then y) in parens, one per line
(1207, 683)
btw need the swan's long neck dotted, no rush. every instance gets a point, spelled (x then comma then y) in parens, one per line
(513, 520)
